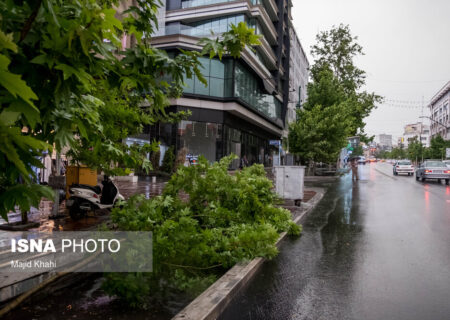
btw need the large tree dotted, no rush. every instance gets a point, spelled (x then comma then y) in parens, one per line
(336, 85)
(320, 133)
(337, 49)
(416, 150)
(66, 81)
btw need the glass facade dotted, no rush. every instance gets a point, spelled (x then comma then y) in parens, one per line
(249, 88)
(214, 140)
(200, 139)
(219, 75)
(198, 3)
(216, 25)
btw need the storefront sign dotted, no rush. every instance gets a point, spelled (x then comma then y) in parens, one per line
(275, 142)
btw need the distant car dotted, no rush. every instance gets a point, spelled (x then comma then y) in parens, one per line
(362, 160)
(447, 163)
(403, 167)
(372, 160)
(433, 169)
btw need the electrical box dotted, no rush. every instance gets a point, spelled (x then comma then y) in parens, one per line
(289, 182)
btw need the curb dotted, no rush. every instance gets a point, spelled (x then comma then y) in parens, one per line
(213, 301)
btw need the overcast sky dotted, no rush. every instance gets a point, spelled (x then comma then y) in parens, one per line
(406, 45)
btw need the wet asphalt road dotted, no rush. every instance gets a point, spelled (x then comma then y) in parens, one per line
(377, 249)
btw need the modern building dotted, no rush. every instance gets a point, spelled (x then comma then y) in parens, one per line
(298, 77)
(418, 131)
(385, 142)
(439, 108)
(245, 104)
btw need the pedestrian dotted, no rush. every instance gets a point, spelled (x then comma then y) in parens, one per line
(244, 162)
(354, 166)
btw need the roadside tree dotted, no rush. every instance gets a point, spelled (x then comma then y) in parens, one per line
(320, 133)
(438, 148)
(334, 93)
(416, 151)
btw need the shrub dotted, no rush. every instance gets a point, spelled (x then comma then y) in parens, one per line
(223, 220)
(154, 159)
(168, 160)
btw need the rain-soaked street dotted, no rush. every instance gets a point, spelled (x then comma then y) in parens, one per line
(376, 249)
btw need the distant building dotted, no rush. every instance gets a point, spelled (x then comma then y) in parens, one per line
(385, 142)
(416, 130)
(298, 77)
(439, 107)
(354, 142)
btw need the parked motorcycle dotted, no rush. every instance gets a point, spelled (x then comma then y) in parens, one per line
(84, 198)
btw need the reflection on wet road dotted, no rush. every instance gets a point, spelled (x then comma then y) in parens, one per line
(377, 249)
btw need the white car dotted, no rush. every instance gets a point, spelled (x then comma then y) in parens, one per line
(447, 163)
(403, 167)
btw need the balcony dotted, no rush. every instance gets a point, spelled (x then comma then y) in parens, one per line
(269, 5)
(197, 10)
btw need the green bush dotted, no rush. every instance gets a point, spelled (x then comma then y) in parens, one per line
(154, 159)
(205, 221)
(168, 160)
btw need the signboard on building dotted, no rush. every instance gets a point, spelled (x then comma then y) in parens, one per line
(275, 143)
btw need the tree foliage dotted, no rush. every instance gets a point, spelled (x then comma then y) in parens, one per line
(66, 81)
(205, 221)
(168, 162)
(416, 151)
(320, 133)
(336, 85)
(437, 148)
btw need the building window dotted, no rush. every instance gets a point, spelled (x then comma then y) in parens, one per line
(200, 139)
(219, 76)
(217, 25)
(249, 88)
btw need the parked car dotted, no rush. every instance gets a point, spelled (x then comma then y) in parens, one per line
(403, 167)
(362, 160)
(433, 169)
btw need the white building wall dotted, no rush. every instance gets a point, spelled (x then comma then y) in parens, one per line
(440, 113)
(298, 77)
(419, 130)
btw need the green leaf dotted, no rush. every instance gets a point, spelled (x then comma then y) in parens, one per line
(16, 86)
(49, 6)
(30, 112)
(4, 62)
(6, 42)
(8, 118)
(67, 70)
(41, 59)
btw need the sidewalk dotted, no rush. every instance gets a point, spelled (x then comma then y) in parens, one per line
(44, 211)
